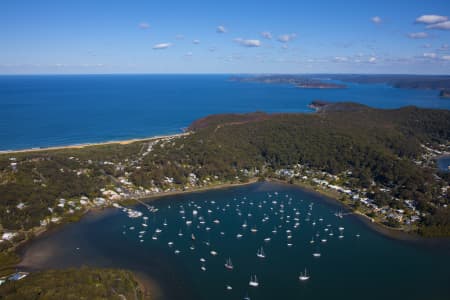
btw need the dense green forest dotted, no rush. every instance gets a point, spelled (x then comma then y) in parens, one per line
(83, 283)
(379, 148)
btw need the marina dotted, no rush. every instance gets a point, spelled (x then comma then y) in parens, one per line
(188, 258)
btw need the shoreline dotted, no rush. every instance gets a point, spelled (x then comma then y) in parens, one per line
(385, 231)
(84, 145)
(149, 286)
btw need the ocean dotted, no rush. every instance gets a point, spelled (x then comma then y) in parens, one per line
(43, 111)
(355, 261)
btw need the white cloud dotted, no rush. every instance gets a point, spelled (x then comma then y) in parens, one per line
(446, 57)
(179, 37)
(162, 46)
(431, 19)
(189, 54)
(430, 55)
(372, 59)
(442, 25)
(144, 25)
(376, 20)
(212, 49)
(221, 29)
(196, 42)
(285, 38)
(340, 59)
(418, 35)
(248, 43)
(266, 35)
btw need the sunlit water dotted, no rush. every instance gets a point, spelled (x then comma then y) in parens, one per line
(361, 264)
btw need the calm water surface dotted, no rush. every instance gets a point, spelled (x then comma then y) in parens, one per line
(370, 266)
(40, 111)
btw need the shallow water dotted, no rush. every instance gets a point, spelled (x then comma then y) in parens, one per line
(370, 266)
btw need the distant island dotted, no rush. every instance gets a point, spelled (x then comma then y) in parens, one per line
(440, 83)
(445, 93)
(299, 81)
(429, 82)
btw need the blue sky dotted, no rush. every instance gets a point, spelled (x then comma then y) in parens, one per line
(246, 36)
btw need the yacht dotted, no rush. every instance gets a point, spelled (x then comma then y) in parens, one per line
(260, 253)
(229, 264)
(303, 276)
(253, 281)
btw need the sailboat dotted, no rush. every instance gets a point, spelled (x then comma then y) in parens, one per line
(253, 281)
(260, 253)
(303, 276)
(192, 237)
(229, 264)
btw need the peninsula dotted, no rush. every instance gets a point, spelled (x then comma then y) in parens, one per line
(300, 81)
(380, 163)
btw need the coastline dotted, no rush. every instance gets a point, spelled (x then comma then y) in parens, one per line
(84, 145)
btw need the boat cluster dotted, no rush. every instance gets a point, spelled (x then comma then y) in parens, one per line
(195, 223)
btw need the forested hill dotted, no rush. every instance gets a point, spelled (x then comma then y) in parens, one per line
(384, 157)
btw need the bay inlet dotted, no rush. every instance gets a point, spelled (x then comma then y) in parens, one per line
(187, 239)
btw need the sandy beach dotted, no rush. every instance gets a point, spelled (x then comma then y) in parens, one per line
(80, 146)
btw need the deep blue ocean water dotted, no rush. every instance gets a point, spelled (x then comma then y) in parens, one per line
(41, 111)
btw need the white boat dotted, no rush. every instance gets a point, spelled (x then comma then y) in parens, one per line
(213, 253)
(254, 230)
(316, 254)
(203, 268)
(267, 239)
(260, 253)
(244, 225)
(177, 251)
(253, 281)
(202, 260)
(303, 276)
(192, 237)
(229, 264)
(229, 288)
(238, 235)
